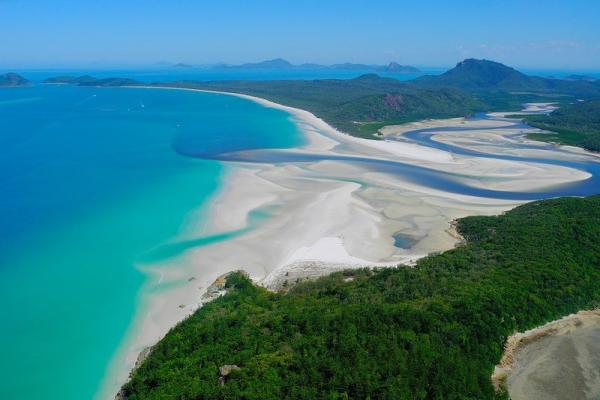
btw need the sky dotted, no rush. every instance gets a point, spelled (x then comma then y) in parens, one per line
(426, 33)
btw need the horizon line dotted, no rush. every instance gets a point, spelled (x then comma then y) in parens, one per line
(102, 65)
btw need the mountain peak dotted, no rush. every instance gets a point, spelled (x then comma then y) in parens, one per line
(275, 63)
(279, 60)
(397, 68)
(483, 66)
(475, 74)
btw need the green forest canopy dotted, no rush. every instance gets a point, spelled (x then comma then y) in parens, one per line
(576, 124)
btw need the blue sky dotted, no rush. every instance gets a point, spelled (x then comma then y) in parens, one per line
(530, 34)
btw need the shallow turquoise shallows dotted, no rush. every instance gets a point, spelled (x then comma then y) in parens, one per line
(90, 180)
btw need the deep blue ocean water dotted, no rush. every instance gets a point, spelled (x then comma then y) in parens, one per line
(90, 180)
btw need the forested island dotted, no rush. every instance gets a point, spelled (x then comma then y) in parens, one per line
(433, 331)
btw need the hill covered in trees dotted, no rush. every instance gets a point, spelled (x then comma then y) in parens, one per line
(577, 124)
(484, 76)
(434, 331)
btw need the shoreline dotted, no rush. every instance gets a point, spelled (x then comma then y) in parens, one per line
(314, 218)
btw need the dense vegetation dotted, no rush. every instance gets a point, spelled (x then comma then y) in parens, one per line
(430, 332)
(577, 124)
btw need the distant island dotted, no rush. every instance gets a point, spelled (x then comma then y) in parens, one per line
(182, 65)
(13, 80)
(281, 64)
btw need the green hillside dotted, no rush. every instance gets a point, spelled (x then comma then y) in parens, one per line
(577, 124)
(488, 76)
(434, 331)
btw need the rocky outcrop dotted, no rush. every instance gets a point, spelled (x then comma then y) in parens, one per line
(453, 231)
(217, 288)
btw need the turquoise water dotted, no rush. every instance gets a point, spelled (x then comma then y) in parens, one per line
(91, 182)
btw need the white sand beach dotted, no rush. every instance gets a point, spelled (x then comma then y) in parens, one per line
(327, 215)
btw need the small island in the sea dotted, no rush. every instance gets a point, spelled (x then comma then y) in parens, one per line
(182, 66)
(284, 65)
(13, 80)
